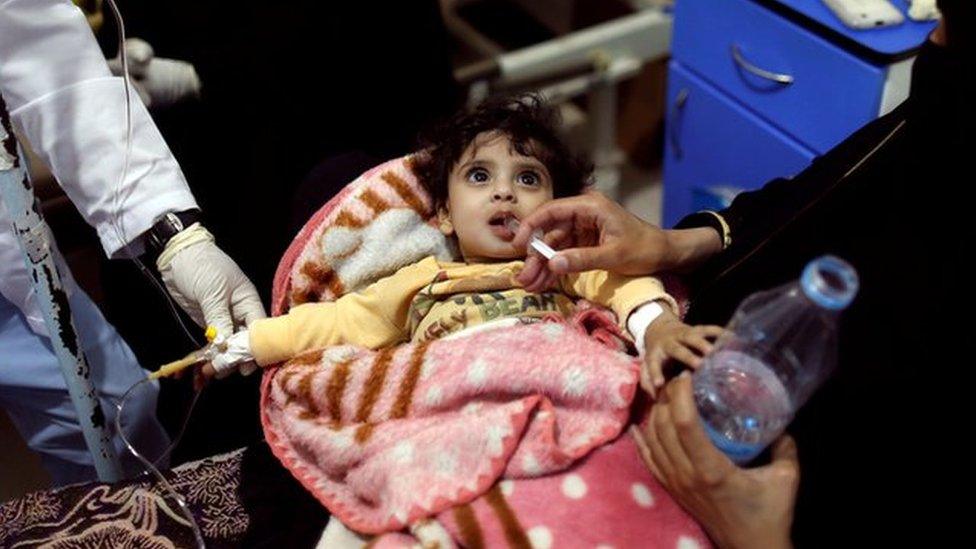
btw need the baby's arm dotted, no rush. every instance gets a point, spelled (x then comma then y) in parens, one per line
(305, 328)
(646, 310)
(376, 317)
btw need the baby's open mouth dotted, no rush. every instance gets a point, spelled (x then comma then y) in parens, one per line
(501, 219)
(501, 225)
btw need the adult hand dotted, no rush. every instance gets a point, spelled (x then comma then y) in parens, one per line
(591, 232)
(206, 282)
(739, 508)
(160, 82)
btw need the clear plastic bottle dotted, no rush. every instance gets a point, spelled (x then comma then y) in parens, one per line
(780, 346)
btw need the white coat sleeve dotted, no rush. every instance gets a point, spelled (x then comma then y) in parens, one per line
(63, 99)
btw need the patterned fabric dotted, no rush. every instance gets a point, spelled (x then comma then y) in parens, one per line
(242, 498)
(435, 314)
(346, 245)
(608, 499)
(386, 438)
(506, 436)
(131, 514)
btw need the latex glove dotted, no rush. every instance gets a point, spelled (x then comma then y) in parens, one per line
(160, 82)
(206, 282)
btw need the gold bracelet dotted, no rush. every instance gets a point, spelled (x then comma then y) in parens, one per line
(710, 219)
(726, 232)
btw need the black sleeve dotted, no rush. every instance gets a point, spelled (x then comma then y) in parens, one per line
(754, 215)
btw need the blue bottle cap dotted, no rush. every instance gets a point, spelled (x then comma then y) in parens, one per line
(830, 282)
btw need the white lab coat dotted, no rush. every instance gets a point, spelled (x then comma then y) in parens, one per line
(63, 99)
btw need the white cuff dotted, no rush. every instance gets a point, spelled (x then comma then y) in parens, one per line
(640, 319)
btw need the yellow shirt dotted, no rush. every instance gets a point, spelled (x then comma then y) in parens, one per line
(430, 299)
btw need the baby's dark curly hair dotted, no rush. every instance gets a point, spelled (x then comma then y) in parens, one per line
(530, 125)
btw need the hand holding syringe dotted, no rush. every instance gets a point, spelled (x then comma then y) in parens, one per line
(535, 276)
(536, 243)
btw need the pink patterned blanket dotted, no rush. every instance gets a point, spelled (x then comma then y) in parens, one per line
(389, 439)
(505, 437)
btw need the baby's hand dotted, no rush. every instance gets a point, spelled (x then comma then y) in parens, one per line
(668, 339)
(235, 356)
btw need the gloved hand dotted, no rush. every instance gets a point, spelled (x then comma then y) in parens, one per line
(206, 283)
(159, 82)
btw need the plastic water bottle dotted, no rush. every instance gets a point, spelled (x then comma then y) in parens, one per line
(780, 346)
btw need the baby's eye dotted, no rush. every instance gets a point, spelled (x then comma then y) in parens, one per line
(529, 179)
(478, 175)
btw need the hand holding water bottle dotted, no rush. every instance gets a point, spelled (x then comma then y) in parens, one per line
(780, 346)
(739, 508)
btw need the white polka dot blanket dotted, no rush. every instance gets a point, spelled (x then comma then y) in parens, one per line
(507, 436)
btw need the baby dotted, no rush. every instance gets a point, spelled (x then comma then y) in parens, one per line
(483, 170)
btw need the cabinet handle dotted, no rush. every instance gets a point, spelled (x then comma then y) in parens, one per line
(676, 109)
(779, 78)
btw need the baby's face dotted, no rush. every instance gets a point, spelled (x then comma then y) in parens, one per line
(489, 184)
